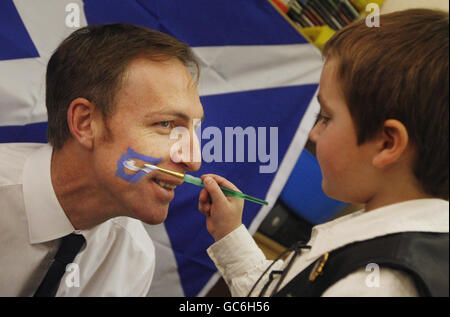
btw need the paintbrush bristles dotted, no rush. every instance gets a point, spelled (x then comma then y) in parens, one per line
(163, 170)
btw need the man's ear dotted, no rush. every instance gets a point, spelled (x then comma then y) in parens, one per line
(80, 118)
(392, 143)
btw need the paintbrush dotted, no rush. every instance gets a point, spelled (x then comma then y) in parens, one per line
(192, 180)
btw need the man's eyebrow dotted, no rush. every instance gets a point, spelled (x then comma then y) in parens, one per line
(178, 114)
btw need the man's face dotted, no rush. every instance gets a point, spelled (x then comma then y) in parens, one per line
(346, 166)
(155, 98)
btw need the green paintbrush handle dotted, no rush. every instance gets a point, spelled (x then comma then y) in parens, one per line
(229, 192)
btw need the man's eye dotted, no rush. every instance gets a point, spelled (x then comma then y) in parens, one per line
(165, 124)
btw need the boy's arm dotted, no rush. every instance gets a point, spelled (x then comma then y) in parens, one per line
(235, 253)
(241, 262)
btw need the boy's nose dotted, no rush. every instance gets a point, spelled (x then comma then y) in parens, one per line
(313, 134)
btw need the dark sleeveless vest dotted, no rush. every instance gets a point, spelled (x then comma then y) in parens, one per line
(424, 256)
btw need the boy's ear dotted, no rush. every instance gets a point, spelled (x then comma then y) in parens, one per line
(80, 118)
(392, 143)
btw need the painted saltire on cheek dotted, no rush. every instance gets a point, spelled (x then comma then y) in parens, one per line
(130, 155)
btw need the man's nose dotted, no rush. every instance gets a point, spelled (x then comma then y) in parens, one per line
(195, 161)
(188, 151)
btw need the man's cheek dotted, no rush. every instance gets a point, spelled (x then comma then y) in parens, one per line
(129, 166)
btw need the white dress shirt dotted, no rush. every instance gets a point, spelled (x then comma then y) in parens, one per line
(241, 262)
(118, 258)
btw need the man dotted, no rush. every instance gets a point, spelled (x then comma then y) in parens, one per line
(110, 91)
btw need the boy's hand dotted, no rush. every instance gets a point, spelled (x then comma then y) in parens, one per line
(223, 213)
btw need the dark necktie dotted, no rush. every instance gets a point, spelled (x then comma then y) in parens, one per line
(70, 246)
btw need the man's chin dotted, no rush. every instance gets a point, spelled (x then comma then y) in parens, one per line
(153, 216)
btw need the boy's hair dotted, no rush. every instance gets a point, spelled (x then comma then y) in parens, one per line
(92, 62)
(400, 70)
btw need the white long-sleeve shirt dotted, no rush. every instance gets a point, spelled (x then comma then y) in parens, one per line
(241, 262)
(117, 260)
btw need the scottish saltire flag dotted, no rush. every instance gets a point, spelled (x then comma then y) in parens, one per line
(258, 74)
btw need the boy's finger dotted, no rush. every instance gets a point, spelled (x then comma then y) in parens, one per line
(204, 208)
(203, 197)
(214, 190)
(221, 181)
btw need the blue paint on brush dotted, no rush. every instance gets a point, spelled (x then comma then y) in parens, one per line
(130, 155)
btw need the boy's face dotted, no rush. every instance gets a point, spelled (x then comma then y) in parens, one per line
(346, 167)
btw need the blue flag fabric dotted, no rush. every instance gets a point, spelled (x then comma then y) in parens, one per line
(259, 73)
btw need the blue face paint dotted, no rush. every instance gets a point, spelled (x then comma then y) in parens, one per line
(129, 155)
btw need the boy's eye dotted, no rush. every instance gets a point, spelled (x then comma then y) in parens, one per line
(322, 118)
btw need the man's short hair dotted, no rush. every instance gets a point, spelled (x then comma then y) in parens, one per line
(400, 70)
(91, 63)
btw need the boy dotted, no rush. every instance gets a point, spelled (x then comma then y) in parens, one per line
(381, 140)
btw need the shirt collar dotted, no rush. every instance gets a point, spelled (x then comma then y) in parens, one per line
(46, 218)
(422, 215)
